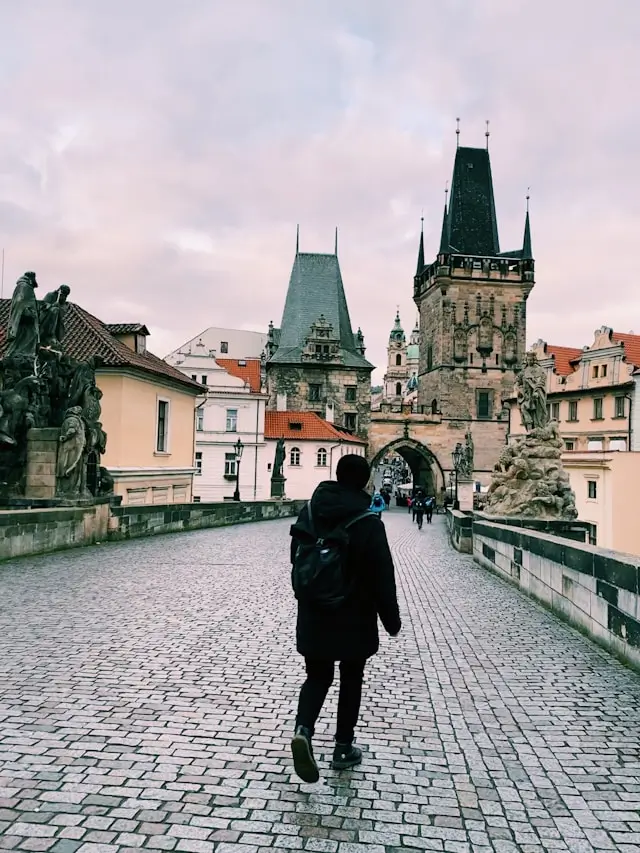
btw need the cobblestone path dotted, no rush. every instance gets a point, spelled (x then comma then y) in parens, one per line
(147, 690)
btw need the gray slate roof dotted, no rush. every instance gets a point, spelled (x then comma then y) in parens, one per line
(315, 289)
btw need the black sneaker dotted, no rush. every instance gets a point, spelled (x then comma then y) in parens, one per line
(303, 761)
(345, 755)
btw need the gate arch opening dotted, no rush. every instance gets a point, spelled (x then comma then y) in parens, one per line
(426, 471)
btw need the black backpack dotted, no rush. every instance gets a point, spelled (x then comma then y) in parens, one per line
(318, 575)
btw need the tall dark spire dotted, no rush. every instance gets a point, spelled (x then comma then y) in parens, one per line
(527, 252)
(297, 239)
(420, 266)
(444, 236)
(335, 248)
(472, 223)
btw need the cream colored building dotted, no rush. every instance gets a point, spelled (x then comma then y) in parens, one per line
(590, 391)
(606, 489)
(148, 411)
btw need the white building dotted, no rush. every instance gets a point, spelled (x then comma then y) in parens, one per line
(226, 343)
(232, 409)
(401, 378)
(313, 448)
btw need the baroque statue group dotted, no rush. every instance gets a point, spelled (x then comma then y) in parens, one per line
(529, 480)
(43, 387)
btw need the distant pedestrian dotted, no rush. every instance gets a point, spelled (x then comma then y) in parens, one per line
(419, 510)
(343, 578)
(378, 504)
(409, 502)
(429, 505)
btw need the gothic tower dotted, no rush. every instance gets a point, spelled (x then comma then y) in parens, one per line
(472, 302)
(315, 361)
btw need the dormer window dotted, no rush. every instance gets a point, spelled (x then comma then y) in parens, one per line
(141, 344)
(224, 346)
(295, 425)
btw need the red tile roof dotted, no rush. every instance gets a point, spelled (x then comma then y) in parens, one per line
(562, 358)
(247, 369)
(86, 336)
(631, 346)
(313, 428)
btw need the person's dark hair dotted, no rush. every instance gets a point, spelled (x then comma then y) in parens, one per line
(353, 471)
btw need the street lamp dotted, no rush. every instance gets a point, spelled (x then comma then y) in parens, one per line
(456, 456)
(238, 448)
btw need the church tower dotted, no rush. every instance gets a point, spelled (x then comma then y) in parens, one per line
(472, 301)
(315, 362)
(395, 379)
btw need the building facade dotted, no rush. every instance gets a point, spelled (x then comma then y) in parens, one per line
(315, 362)
(591, 391)
(313, 449)
(400, 383)
(223, 343)
(606, 487)
(231, 409)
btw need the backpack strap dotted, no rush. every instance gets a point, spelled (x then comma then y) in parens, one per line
(360, 517)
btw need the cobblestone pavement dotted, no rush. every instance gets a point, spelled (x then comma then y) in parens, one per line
(147, 691)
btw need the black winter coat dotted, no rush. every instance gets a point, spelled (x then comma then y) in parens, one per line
(350, 633)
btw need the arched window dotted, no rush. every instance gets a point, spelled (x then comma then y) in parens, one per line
(322, 457)
(398, 388)
(294, 456)
(398, 360)
(434, 407)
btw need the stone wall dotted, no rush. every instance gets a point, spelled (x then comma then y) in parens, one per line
(595, 589)
(460, 525)
(37, 531)
(130, 522)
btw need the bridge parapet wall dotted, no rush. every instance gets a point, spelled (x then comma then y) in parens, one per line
(595, 589)
(39, 531)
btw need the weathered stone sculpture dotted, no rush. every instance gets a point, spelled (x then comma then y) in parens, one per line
(71, 454)
(45, 390)
(277, 477)
(532, 394)
(23, 331)
(465, 469)
(529, 480)
(51, 318)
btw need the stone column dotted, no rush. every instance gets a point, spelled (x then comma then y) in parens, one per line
(465, 494)
(42, 456)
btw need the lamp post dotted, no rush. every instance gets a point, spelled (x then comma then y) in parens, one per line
(238, 448)
(456, 456)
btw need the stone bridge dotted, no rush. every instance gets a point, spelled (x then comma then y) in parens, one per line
(147, 691)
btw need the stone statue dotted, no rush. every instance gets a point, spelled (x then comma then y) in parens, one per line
(52, 311)
(532, 394)
(23, 332)
(465, 471)
(71, 457)
(279, 460)
(106, 482)
(16, 409)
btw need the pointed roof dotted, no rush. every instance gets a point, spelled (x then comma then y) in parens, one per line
(420, 265)
(527, 253)
(444, 235)
(315, 289)
(472, 224)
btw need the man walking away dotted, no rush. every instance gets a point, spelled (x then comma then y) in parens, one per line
(419, 507)
(428, 508)
(344, 579)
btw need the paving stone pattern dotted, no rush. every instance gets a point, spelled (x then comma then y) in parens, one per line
(147, 692)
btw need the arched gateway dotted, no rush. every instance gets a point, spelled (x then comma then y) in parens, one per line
(426, 471)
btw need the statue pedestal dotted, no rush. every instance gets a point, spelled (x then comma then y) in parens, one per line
(465, 494)
(277, 487)
(42, 456)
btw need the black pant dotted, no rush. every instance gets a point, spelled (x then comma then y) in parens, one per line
(429, 515)
(419, 517)
(314, 692)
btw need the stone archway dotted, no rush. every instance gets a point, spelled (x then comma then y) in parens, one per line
(426, 471)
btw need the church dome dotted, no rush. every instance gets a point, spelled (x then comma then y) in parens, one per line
(413, 352)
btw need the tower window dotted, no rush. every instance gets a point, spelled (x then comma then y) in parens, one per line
(350, 393)
(398, 389)
(398, 360)
(429, 357)
(314, 393)
(483, 404)
(434, 407)
(350, 422)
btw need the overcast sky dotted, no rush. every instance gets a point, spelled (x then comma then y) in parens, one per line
(156, 155)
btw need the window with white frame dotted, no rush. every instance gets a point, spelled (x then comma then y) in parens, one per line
(230, 464)
(595, 444)
(198, 462)
(620, 407)
(294, 456)
(162, 427)
(322, 457)
(232, 420)
(199, 419)
(592, 490)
